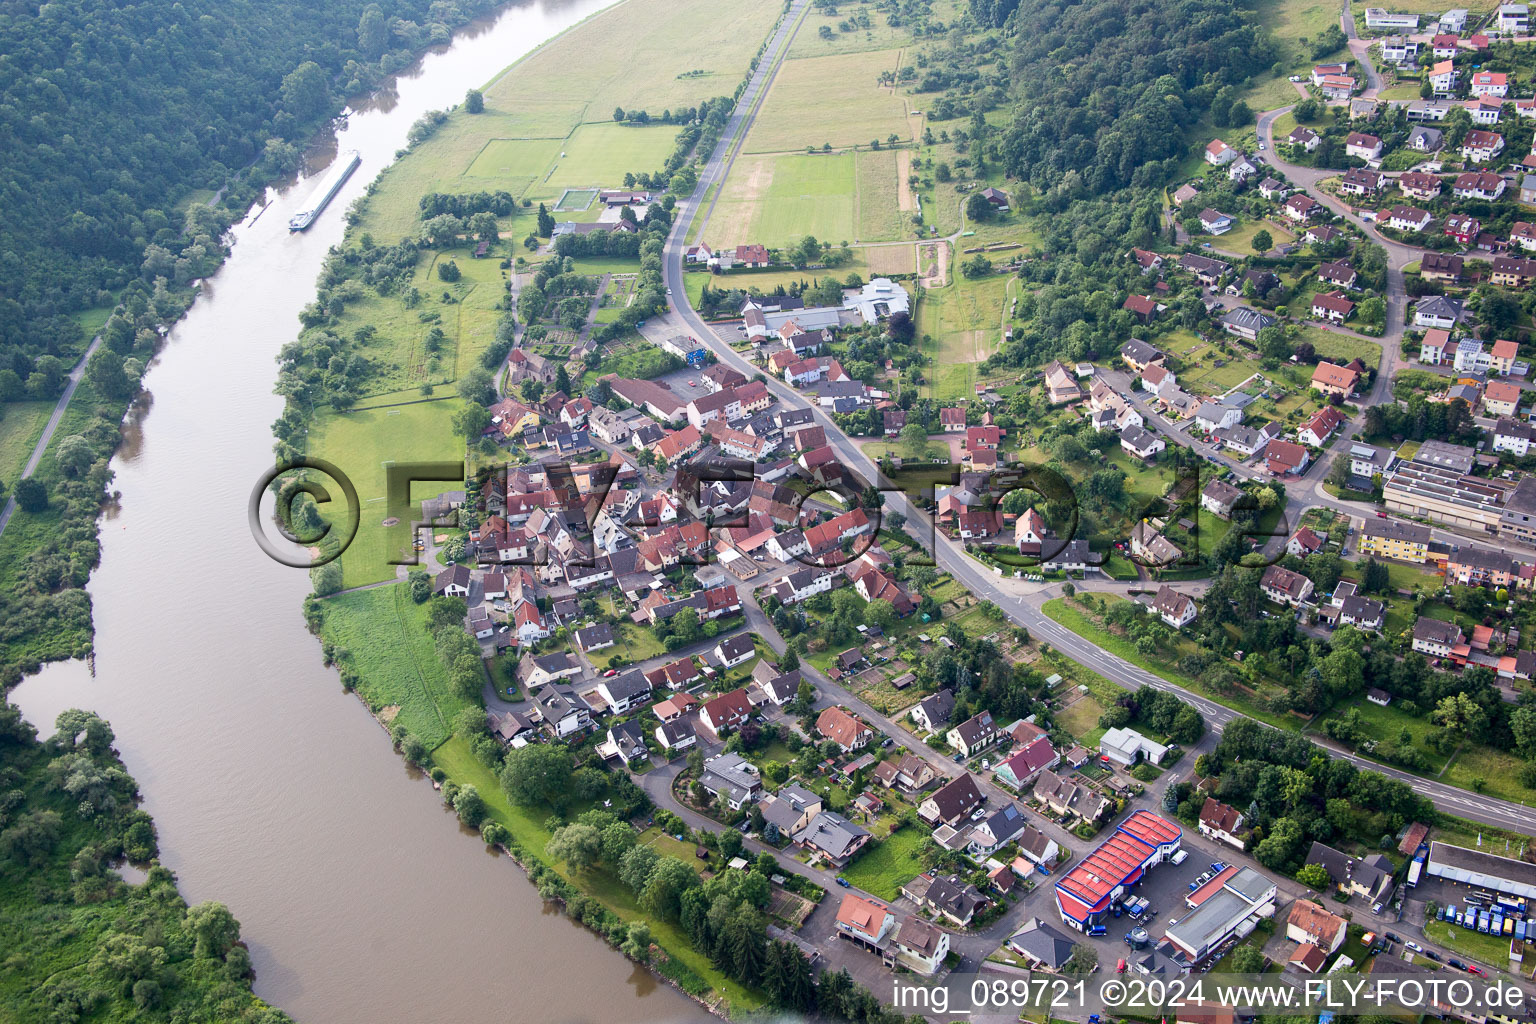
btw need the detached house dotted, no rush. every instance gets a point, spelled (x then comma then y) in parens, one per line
(1362, 146)
(1215, 222)
(1285, 587)
(1332, 379)
(1175, 609)
(844, 729)
(1311, 924)
(974, 734)
(1480, 146)
(1408, 218)
(1301, 208)
(1221, 822)
(1219, 154)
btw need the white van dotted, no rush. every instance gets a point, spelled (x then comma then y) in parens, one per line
(1180, 857)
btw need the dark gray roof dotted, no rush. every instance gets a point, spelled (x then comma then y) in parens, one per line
(1043, 942)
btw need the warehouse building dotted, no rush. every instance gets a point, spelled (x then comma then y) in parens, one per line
(1503, 875)
(1230, 912)
(1084, 895)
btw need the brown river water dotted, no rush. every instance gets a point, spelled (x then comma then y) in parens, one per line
(361, 898)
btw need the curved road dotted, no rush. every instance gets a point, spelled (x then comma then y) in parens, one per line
(948, 554)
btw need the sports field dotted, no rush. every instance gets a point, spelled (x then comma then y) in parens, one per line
(598, 155)
(836, 100)
(774, 200)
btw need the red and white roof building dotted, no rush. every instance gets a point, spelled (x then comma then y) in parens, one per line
(1084, 894)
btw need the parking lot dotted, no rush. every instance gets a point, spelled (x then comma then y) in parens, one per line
(678, 380)
(1165, 886)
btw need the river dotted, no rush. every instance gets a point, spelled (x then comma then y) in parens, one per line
(275, 792)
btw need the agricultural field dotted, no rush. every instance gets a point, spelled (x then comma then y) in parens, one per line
(834, 100)
(544, 98)
(593, 152)
(363, 444)
(879, 214)
(774, 200)
(890, 259)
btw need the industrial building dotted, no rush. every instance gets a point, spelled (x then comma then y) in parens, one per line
(1502, 875)
(1084, 895)
(1229, 911)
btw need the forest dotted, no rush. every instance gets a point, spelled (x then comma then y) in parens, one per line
(115, 117)
(76, 941)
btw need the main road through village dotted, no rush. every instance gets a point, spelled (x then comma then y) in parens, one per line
(1022, 602)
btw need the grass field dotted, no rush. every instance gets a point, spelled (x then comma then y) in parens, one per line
(1383, 723)
(888, 865)
(891, 259)
(879, 36)
(774, 200)
(1497, 770)
(545, 96)
(1240, 238)
(362, 444)
(21, 424)
(964, 318)
(835, 99)
(386, 633)
(595, 151)
(1340, 348)
(520, 160)
(879, 217)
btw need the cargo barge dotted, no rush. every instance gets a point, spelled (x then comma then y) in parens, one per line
(345, 164)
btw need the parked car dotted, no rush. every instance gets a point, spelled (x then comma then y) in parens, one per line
(842, 882)
(1414, 946)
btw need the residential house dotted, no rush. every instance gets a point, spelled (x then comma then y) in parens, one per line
(1141, 443)
(946, 895)
(1020, 768)
(625, 741)
(974, 735)
(1396, 539)
(1432, 350)
(1435, 638)
(843, 728)
(1317, 430)
(1513, 436)
(1512, 271)
(1308, 140)
(1332, 306)
(1362, 146)
(1483, 185)
(625, 692)
(1481, 146)
(1441, 266)
(1219, 154)
(735, 650)
(1462, 227)
(1246, 323)
(1408, 218)
(933, 712)
(1222, 822)
(1303, 543)
(1370, 877)
(1359, 182)
(1501, 399)
(1218, 498)
(1283, 586)
(1339, 274)
(951, 803)
(1310, 923)
(562, 713)
(1214, 222)
(726, 712)
(1176, 609)
(1332, 379)
(1300, 207)
(1152, 547)
(1490, 83)
(834, 837)
(1437, 311)
(864, 921)
(920, 946)
(732, 779)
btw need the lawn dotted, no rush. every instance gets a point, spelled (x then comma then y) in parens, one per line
(517, 160)
(1080, 717)
(1069, 615)
(834, 100)
(21, 425)
(1497, 771)
(362, 444)
(1340, 348)
(1240, 238)
(774, 200)
(637, 643)
(886, 866)
(386, 635)
(879, 216)
(1487, 949)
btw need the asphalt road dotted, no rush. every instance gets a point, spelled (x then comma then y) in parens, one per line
(949, 555)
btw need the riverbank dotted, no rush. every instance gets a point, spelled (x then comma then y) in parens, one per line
(545, 129)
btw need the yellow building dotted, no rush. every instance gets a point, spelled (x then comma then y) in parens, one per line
(1393, 538)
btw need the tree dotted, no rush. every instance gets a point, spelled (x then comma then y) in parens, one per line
(1314, 876)
(546, 221)
(1083, 960)
(580, 846)
(1261, 241)
(474, 101)
(106, 373)
(977, 208)
(306, 91)
(977, 266)
(1246, 959)
(74, 455)
(618, 839)
(537, 773)
(469, 805)
(213, 928)
(665, 887)
(637, 942)
(471, 421)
